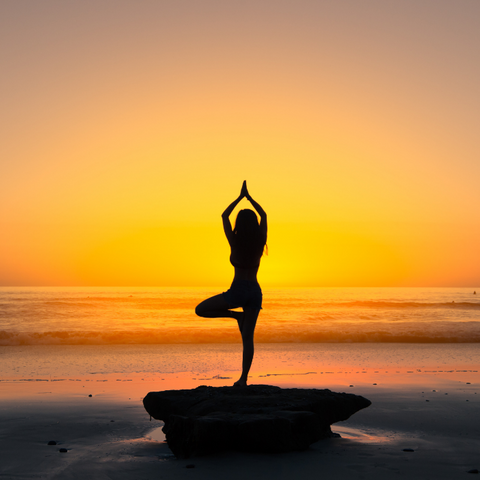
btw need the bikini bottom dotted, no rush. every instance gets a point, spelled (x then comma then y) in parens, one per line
(244, 293)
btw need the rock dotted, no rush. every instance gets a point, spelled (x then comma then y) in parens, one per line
(63, 450)
(408, 450)
(258, 418)
(52, 442)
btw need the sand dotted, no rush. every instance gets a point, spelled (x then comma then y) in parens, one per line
(109, 435)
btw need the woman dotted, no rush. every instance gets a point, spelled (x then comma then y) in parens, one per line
(247, 242)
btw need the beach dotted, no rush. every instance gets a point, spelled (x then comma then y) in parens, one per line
(423, 422)
(158, 154)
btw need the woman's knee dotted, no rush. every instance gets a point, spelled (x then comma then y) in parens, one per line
(200, 309)
(216, 303)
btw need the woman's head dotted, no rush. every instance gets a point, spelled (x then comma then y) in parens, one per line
(246, 223)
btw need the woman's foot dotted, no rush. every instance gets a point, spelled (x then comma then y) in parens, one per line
(240, 316)
(240, 383)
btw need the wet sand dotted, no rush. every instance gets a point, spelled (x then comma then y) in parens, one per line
(109, 434)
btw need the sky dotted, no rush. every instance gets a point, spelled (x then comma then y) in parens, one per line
(127, 127)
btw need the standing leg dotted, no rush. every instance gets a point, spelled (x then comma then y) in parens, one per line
(247, 329)
(216, 307)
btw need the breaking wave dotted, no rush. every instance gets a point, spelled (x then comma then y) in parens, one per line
(285, 334)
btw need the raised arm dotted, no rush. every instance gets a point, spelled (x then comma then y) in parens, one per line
(227, 226)
(259, 209)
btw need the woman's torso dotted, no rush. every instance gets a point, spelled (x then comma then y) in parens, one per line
(246, 263)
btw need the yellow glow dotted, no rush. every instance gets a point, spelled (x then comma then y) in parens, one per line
(120, 153)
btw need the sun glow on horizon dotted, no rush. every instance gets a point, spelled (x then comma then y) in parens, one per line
(129, 130)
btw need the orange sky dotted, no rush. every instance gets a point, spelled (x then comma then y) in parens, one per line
(127, 128)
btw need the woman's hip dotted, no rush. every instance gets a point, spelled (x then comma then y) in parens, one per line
(244, 293)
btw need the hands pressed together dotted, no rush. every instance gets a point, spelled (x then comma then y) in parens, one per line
(245, 194)
(244, 191)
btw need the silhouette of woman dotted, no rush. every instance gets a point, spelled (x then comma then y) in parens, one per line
(247, 242)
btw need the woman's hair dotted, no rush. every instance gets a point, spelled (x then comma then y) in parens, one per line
(247, 232)
(246, 224)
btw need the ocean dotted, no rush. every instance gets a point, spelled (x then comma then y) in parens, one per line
(135, 315)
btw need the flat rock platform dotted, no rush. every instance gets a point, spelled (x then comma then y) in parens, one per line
(256, 418)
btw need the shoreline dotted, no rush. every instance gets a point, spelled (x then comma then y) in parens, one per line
(433, 411)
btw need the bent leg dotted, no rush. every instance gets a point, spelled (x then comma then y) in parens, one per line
(247, 329)
(216, 307)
